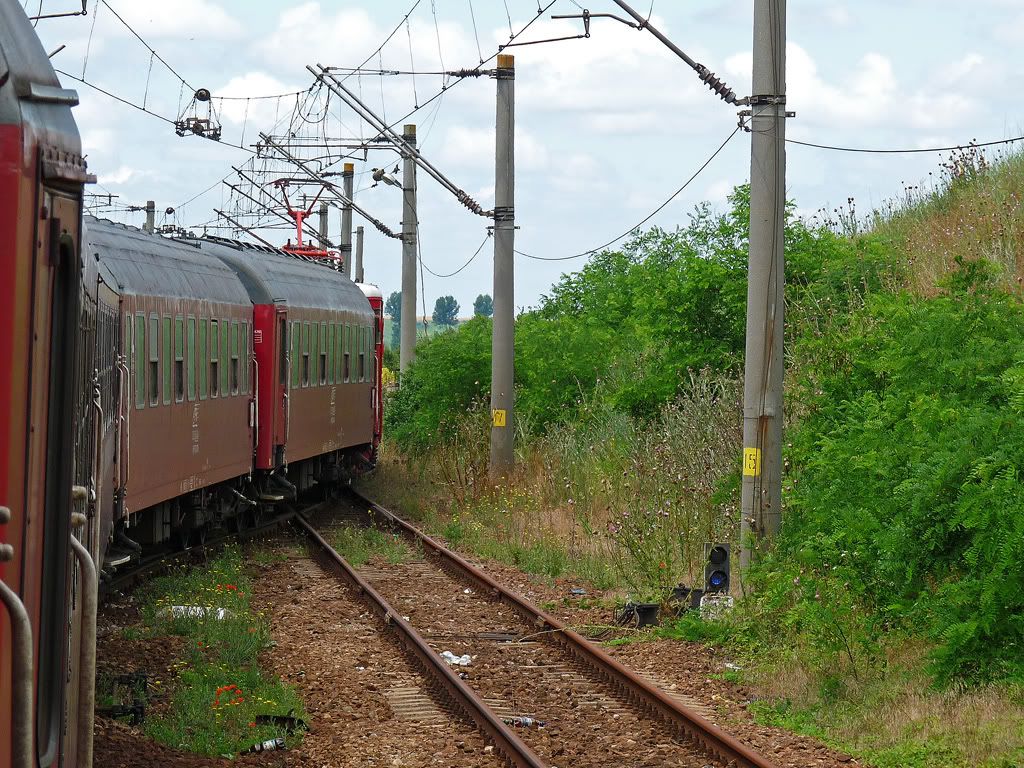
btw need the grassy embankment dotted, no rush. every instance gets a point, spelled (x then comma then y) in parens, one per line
(211, 701)
(889, 616)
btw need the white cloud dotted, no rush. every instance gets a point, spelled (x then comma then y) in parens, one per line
(121, 175)
(181, 18)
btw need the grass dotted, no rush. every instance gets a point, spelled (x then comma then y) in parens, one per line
(216, 688)
(359, 545)
(895, 719)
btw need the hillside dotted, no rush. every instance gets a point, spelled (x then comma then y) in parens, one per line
(888, 617)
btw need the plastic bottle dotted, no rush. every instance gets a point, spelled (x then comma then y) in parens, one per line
(266, 746)
(524, 722)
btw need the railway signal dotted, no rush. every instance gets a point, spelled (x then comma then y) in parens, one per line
(716, 568)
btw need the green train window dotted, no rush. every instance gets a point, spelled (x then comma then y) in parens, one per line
(234, 358)
(203, 360)
(155, 356)
(338, 350)
(293, 363)
(225, 352)
(314, 353)
(190, 352)
(362, 354)
(305, 354)
(322, 354)
(139, 348)
(330, 353)
(214, 358)
(179, 359)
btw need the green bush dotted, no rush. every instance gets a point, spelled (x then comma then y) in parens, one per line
(904, 506)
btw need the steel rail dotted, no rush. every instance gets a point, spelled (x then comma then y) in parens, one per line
(710, 738)
(515, 751)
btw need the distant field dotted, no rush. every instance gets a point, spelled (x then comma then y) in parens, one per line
(432, 330)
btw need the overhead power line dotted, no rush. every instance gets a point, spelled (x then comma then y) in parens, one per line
(468, 262)
(916, 150)
(650, 216)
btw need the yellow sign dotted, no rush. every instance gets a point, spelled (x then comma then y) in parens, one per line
(498, 415)
(752, 462)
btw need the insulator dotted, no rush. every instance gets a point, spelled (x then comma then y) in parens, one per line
(715, 84)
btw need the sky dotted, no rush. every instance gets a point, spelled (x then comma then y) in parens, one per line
(606, 127)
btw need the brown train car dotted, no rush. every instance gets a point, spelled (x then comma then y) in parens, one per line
(44, 449)
(185, 401)
(316, 365)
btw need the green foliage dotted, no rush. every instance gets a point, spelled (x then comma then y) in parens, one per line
(446, 311)
(393, 309)
(218, 688)
(483, 305)
(905, 503)
(359, 545)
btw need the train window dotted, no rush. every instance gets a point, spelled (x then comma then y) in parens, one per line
(246, 357)
(203, 360)
(296, 348)
(362, 354)
(314, 352)
(165, 359)
(305, 354)
(179, 359)
(190, 357)
(234, 357)
(322, 351)
(139, 359)
(214, 358)
(225, 351)
(154, 360)
(330, 353)
(338, 341)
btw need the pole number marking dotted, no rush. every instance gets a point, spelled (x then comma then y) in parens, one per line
(498, 417)
(752, 462)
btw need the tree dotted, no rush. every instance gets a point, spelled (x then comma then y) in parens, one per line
(483, 306)
(446, 311)
(393, 309)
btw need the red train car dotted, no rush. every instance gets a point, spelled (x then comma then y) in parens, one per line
(45, 444)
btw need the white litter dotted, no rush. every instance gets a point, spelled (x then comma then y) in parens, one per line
(456, 661)
(194, 612)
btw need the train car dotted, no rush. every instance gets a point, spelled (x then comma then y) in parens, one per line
(185, 432)
(376, 298)
(46, 445)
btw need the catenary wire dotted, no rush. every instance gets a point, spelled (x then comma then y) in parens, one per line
(866, 150)
(650, 216)
(468, 262)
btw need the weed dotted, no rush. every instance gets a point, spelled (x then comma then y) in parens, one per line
(358, 545)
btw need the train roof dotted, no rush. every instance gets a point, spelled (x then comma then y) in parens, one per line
(31, 96)
(138, 263)
(298, 281)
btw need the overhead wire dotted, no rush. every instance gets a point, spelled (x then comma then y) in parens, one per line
(468, 262)
(916, 150)
(647, 218)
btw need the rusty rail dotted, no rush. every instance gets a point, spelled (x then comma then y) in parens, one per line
(514, 750)
(692, 727)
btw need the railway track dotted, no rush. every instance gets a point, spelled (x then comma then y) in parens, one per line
(527, 664)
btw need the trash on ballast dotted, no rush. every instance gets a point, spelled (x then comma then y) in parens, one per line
(289, 722)
(715, 606)
(457, 661)
(467, 591)
(577, 592)
(733, 667)
(524, 722)
(265, 746)
(194, 612)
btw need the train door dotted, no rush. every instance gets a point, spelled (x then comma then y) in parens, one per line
(282, 375)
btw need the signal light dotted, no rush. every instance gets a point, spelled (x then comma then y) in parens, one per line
(716, 567)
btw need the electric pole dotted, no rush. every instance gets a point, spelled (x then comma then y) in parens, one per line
(503, 330)
(322, 233)
(764, 366)
(347, 177)
(359, 254)
(150, 225)
(407, 352)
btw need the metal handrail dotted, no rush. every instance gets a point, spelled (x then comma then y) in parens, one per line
(87, 641)
(21, 678)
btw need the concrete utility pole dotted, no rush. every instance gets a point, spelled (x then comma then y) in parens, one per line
(407, 353)
(359, 255)
(347, 177)
(764, 365)
(503, 331)
(150, 216)
(323, 229)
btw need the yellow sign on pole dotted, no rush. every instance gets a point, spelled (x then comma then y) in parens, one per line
(498, 415)
(752, 462)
